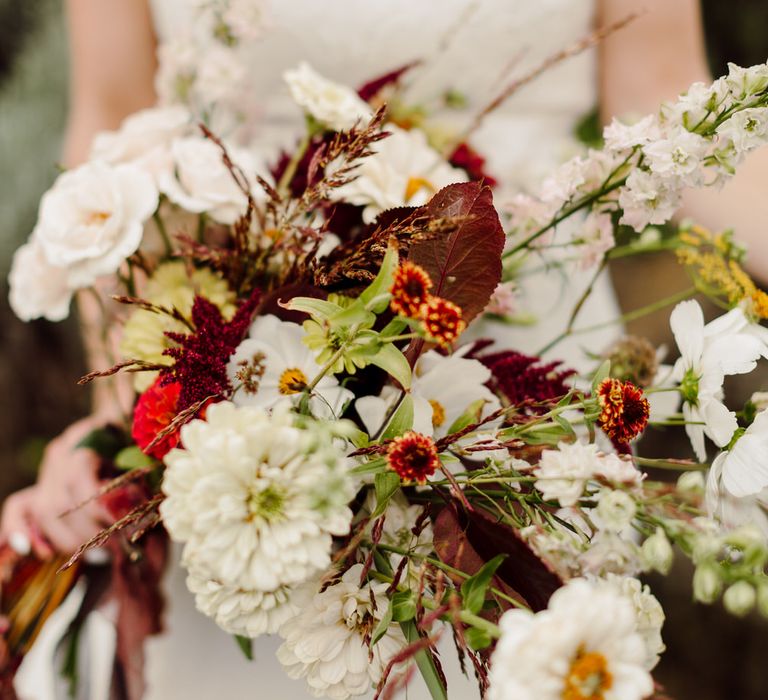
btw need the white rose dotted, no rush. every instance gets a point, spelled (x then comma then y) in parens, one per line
(332, 104)
(37, 287)
(93, 218)
(202, 183)
(144, 139)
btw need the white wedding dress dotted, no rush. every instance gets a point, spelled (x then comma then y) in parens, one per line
(474, 47)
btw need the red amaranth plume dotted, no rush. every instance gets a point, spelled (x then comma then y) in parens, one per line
(201, 357)
(523, 378)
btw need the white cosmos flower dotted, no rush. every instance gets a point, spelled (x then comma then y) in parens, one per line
(325, 642)
(707, 355)
(200, 182)
(255, 498)
(404, 171)
(144, 139)
(272, 367)
(584, 645)
(443, 388)
(37, 288)
(93, 218)
(332, 104)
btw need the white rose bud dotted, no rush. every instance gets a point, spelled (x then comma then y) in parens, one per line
(691, 482)
(706, 584)
(615, 509)
(657, 552)
(739, 599)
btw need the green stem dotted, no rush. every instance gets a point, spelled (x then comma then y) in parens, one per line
(163, 232)
(293, 164)
(671, 464)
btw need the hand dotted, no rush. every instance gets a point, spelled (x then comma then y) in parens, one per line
(68, 477)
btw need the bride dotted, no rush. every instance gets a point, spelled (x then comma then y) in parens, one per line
(466, 48)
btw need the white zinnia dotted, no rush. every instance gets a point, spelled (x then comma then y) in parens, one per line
(332, 104)
(325, 642)
(93, 218)
(201, 182)
(255, 498)
(403, 171)
(272, 366)
(37, 288)
(585, 644)
(707, 355)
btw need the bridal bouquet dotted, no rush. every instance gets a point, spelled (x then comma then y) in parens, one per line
(342, 467)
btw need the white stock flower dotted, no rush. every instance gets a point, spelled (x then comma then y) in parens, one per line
(255, 498)
(743, 469)
(647, 199)
(247, 19)
(37, 288)
(743, 82)
(707, 354)
(404, 170)
(272, 366)
(610, 553)
(336, 106)
(443, 388)
(220, 75)
(177, 61)
(325, 643)
(504, 301)
(615, 510)
(619, 136)
(144, 139)
(746, 130)
(677, 155)
(200, 182)
(93, 218)
(595, 239)
(584, 645)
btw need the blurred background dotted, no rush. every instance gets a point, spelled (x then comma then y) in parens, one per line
(710, 656)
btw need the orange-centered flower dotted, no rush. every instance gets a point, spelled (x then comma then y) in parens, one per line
(410, 290)
(442, 320)
(588, 677)
(625, 410)
(413, 456)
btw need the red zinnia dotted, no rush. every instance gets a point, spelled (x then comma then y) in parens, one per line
(410, 290)
(413, 456)
(625, 409)
(155, 410)
(442, 319)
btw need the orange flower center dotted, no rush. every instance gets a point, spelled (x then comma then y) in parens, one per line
(438, 413)
(588, 677)
(292, 381)
(415, 185)
(94, 218)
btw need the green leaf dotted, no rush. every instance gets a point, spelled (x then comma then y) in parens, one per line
(105, 442)
(246, 646)
(603, 372)
(317, 308)
(477, 638)
(472, 415)
(375, 297)
(473, 590)
(425, 664)
(403, 606)
(565, 425)
(133, 458)
(353, 315)
(402, 420)
(385, 484)
(381, 629)
(395, 327)
(392, 361)
(375, 466)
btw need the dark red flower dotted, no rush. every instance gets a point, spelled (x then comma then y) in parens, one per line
(442, 319)
(155, 410)
(625, 410)
(410, 290)
(372, 88)
(471, 162)
(413, 456)
(200, 358)
(523, 379)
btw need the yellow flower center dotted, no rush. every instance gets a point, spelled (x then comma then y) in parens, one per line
(415, 184)
(588, 678)
(292, 381)
(438, 413)
(94, 218)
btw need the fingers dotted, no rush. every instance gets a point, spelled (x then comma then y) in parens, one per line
(17, 523)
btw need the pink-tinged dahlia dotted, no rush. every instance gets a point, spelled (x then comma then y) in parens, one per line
(625, 410)
(413, 456)
(443, 321)
(410, 290)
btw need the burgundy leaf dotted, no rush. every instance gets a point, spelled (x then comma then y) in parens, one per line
(465, 262)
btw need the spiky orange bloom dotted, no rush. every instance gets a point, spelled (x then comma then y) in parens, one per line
(625, 409)
(410, 290)
(442, 319)
(413, 456)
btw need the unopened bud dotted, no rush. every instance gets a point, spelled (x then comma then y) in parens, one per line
(739, 599)
(657, 552)
(706, 584)
(691, 482)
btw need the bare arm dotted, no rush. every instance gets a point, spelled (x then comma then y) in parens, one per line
(654, 59)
